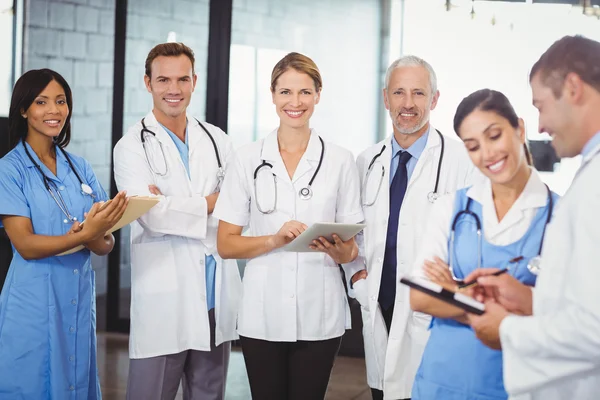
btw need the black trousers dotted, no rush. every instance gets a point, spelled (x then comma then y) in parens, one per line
(289, 370)
(387, 318)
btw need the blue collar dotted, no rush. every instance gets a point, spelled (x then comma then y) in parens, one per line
(591, 145)
(415, 150)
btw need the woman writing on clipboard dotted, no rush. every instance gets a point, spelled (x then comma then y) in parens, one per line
(499, 223)
(510, 209)
(47, 304)
(294, 309)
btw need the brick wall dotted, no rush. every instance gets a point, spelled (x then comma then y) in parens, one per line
(76, 38)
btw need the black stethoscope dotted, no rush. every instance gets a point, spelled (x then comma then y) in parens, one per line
(305, 193)
(431, 196)
(220, 170)
(56, 196)
(534, 263)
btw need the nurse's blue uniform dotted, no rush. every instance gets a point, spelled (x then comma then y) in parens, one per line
(455, 364)
(48, 306)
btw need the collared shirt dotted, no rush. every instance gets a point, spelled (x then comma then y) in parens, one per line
(509, 229)
(47, 307)
(210, 262)
(415, 151)
(289, 296)
(591, 145)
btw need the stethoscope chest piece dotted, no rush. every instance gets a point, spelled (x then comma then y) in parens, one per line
(86, 189)
(534, 265)
(432, 197)
(305, 193)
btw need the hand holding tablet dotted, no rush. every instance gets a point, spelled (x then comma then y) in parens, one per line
(302, 243)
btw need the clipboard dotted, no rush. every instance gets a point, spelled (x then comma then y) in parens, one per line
(459, 300)
(325, 229)
(136, 207)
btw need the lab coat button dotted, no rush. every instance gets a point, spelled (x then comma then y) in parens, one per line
(71, 358)
(71, 387)
(380, 260)
(373, 298)
(75, 272)
(71, 329)
(74, 302)
(65, 220)
(292, 296)
(62, 188)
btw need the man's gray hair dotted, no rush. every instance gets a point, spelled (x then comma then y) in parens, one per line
(412, 61)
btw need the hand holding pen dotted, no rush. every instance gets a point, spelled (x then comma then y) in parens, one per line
(496, 285)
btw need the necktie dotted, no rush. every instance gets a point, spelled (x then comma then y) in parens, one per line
(387, 288)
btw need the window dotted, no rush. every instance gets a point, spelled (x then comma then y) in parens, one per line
(10, 13)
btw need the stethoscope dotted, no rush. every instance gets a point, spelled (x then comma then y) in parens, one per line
(534, 263)
(220, 170)
(305, 193)
(56, 196)
(431, 196)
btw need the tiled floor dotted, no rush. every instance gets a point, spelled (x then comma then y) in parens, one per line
(348, 380)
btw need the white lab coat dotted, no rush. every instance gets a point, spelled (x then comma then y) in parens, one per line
(289, 296)
(169, 243)
(392, 363)
(555, 354)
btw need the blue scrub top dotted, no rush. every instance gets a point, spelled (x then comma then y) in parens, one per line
(48, 306)
(210, 263)
(455, 364)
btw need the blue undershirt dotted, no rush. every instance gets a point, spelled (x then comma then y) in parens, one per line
(210, 262)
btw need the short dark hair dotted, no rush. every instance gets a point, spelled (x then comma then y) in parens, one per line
(576, 54)
(168, 50)
(488, 100)
(27, 88)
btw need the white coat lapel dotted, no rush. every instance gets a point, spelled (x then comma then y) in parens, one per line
(270, 153)
(428, 156)
(175, 164)
(310, 158)
(383, 199)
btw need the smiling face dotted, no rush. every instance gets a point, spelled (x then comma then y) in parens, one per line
(494, 145)
(557, 118)
(409, 99)
(295, 97)
(171, 85)
(48, 113)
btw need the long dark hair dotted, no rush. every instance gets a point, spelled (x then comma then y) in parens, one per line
(27, 88)
(489, 100)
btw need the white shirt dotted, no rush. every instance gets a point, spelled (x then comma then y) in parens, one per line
(555, 354)
(291, 296)
(511, 228)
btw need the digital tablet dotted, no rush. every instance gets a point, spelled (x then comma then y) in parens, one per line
(459, 300)
(326, 229)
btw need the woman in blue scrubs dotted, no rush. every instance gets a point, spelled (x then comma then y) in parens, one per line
(512, 206)
(47, 304)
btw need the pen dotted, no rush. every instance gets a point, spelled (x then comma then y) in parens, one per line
(474, 282)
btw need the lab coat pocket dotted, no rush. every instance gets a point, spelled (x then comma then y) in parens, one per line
(153, 268)
(419, 326)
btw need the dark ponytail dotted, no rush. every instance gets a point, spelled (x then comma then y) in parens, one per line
(489, 100)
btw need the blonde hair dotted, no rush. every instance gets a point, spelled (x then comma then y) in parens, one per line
(300, 63)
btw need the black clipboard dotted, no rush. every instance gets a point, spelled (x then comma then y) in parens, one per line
(459, 300)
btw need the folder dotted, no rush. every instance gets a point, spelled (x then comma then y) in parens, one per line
(456, 299)
(136, 207)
